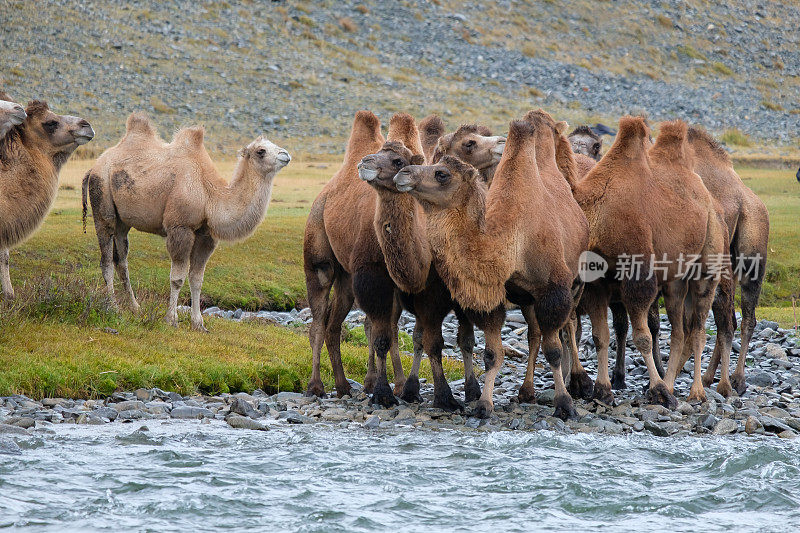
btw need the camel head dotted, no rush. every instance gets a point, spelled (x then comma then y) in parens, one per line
(264, 157)
(380, 168)
(585, 141)
(11, 114)
(56, 135)
(442, 185)
(472, 144)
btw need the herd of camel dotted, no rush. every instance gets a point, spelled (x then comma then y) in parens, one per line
(434, 222)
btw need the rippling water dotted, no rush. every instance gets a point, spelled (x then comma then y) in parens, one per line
(185, 475)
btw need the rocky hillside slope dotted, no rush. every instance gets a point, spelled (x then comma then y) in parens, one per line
(297, 70)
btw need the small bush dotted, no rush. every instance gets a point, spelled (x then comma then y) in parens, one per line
(735, 137)
(722, 68)
(772, 106)
(362, 9)
(347, 24)
(664, 21)
(689, 50)
(160, 106)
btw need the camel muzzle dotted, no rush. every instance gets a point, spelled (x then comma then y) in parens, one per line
(366, 171)
(404, 181)
(283, 157)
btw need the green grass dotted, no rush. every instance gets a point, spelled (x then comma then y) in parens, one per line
(735, 137)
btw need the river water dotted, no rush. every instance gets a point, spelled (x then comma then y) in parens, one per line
(184, 475)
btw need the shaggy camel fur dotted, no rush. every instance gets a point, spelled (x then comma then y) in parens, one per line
(585, 141)
(31, 155)
(341, 252)
(624, 224)
(521, 240)
(11, 114)
(431, 128)
(400, 227)
(174, 190)
(747, 220)
(474, 145)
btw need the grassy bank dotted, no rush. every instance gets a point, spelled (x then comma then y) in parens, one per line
(58, 339)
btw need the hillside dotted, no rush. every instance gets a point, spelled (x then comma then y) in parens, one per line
(297, 70)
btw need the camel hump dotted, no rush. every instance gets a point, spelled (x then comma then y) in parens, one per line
(191, 137)
(672, 135)
(432, 126)
(367, 120)
(632, 132)
(698, 135)
(403, 127)
(139, 122)
(519, 131)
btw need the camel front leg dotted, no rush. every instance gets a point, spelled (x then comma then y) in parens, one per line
(179, 245)
(493, 355)
(466, 344)
(410, 391)
(204, 246)
(598, 314)
(527, 393)
(394, 350)
(5, 275)
(674, 298)
(553, 352)
(580, 384)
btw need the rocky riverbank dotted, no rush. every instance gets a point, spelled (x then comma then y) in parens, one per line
(770, 406)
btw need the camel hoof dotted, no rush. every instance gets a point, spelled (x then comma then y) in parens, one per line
(484, 409)
(410, 393)
(443, 399)
(697, 396)
(660, 395)
(346, 390)
(581, 386)
(315, 388)
(724, 388)
(739, 384)
(472, 391)
(382, 395)
(399, 387)
(708, 380)
(526, 394)
(603, 394)
(369, 382)
(564, 407)
(618, 381)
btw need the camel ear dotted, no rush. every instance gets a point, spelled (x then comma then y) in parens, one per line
(417, 159)
(561, 127)
(241, 153)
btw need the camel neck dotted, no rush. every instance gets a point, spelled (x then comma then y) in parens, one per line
(238, 209)
(400, 226)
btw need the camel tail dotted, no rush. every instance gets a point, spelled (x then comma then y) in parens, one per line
(84, 194)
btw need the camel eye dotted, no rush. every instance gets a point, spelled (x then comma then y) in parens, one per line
(441, 176)
(50, 126)
(261, 152)
(399, 163)
(469, 144)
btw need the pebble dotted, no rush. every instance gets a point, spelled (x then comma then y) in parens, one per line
(243, 422)
(188, 412)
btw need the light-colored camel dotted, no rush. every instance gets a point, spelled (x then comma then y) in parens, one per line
(586, 142)
(11, 114)
(625, 226)
(32, 153)
(401, 229)
(341, 252)
(430, 128)
(174, 190)
(520, 240)
(474, 145)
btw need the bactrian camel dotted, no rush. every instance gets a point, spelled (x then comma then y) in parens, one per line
(683, 223)
(401, 230)
(174, 190)
(520, 240)
(32, 152)
(341, 252)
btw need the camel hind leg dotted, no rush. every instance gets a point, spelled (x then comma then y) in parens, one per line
(466, 345)
(5, 275)
(620, 321)
(120, 258)
(410, 391)
(394, 349)
(751, 290)
(341, 305)
(527, 392)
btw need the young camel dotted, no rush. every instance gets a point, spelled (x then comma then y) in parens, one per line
(174, 190)
(32, 153)
(11, 114)
(684, 221)
(474, 145)
(341, 252)
(400, 227)
(431, 128)
(520, 240)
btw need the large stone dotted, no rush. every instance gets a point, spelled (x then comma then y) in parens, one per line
(775, 351)
(372, 422)
(190, 412)
(759, 378)
(129, 405)
(656, 429)
(752, 425)
(25, 422)
(725, 427)
(243, 422)
(240, 406)
(144, 395)
(9, 429)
